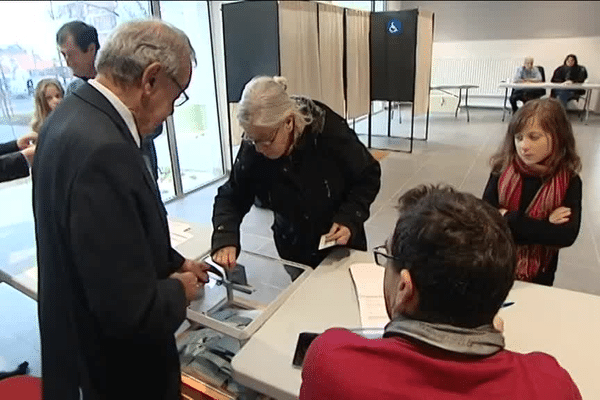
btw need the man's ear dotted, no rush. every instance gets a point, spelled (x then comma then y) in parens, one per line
(91, 47)
(406, 295)
(150, 76)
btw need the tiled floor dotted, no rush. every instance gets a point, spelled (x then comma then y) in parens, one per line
(456, 153)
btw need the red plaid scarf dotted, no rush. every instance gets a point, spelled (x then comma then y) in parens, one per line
(532, 259)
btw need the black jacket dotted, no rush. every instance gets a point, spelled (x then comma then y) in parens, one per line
(576, 74)
(527, 230)
(13, 164)
(107, 309)
(330, 176)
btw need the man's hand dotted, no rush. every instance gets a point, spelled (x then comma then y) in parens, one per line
(560, 215)
(226, 257)
(28, 153)
(339, 233)
(198, 268)
(27, 140)
(190, 284)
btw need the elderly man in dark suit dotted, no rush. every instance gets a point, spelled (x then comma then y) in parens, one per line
(112, 290)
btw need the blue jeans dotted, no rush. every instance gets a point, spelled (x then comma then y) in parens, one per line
(564, 95)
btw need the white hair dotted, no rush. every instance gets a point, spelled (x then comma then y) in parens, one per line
(265, 102)
(136, 44)
(528, 58)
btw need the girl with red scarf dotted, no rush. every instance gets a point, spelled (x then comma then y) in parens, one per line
(535, 186)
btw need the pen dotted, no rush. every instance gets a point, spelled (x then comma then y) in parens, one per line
(508, 303)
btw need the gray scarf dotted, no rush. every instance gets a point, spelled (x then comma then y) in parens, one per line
(481, 341)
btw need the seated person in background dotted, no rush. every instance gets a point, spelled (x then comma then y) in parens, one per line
(569, 72)
(526, 73)
(302, 159)
(536, 187)
(449, 266)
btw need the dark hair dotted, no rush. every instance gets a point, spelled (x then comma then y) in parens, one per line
(552, 117)
(459, 252)
(82, 33)
(574, 59)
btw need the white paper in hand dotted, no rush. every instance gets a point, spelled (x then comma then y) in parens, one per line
(324, 243)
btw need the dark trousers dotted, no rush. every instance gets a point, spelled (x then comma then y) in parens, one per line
(524, 95)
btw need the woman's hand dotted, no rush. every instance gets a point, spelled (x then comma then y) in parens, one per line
(503, 211)
(226, 257)
(560, 215)
(340, 233)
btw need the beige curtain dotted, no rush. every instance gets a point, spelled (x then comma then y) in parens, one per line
(357, 62)
(424, 50)
(236, 129)
(331, 53)
(299, 47)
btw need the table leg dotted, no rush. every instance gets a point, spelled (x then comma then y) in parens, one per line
(458, 105)
(586, 105)
(504, 105)
(467, 104)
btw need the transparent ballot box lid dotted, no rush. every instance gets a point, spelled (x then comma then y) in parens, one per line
(238, 302)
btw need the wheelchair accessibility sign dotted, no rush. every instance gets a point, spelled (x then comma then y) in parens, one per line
(394, 27)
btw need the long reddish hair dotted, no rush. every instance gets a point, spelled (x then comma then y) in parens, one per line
(553, 119)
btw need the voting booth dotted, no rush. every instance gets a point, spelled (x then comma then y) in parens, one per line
(401, 51)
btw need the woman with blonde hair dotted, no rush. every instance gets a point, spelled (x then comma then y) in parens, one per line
(48, 93)
(303, 160)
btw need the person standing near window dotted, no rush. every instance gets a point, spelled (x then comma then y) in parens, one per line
(79, 45)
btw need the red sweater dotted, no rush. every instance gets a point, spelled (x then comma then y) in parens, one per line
(342, 365)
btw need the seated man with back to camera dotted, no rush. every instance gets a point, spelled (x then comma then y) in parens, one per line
(526, 73)
(449, 266)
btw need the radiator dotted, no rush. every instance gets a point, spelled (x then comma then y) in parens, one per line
(487, 73)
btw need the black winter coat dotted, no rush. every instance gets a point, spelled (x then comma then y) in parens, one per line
(330, 176)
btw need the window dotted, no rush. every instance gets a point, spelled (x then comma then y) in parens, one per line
(196, 122)
(28, 53)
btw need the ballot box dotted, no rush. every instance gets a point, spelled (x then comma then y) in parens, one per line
(227, 311)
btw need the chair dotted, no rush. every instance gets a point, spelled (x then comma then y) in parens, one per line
(533, 93)
(23, 387)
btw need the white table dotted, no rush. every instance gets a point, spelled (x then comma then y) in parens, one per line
(588, 87)
(562, 323)
(195, 247)
(465, 87)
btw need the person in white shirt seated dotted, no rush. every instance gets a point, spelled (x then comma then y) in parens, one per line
(526, 73)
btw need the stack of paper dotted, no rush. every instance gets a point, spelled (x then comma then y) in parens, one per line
(180, 232)
(368, 280)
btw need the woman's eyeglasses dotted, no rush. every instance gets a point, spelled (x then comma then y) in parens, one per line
(265, 143)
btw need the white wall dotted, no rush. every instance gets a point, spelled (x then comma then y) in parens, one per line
(545, 30)
(549, 53)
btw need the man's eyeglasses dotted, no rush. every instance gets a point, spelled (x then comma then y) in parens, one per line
(183, 97)
(381, 255)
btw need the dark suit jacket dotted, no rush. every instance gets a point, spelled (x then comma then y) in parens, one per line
(13, 164)
(107, 308)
